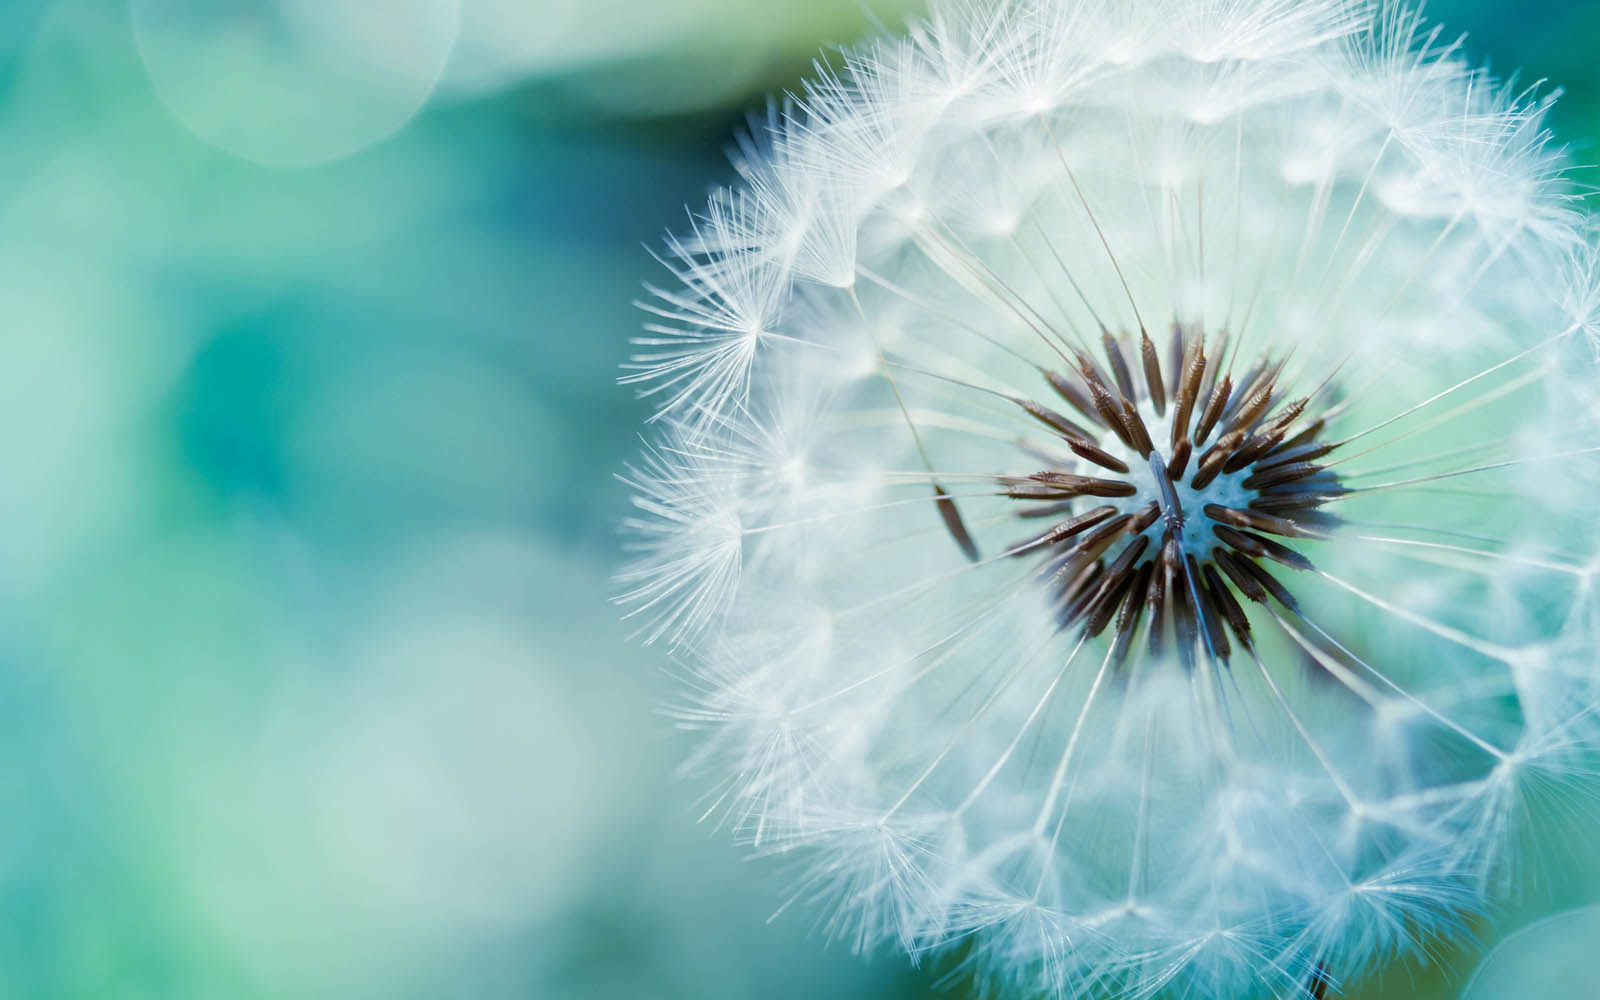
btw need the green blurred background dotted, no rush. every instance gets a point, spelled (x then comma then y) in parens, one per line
(309, 681)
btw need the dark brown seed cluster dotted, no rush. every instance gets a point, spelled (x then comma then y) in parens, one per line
(1187, 425)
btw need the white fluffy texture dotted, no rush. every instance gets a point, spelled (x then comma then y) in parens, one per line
(1320, 178)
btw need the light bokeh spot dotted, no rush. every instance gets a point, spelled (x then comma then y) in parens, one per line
(294, 83)
(1553, 957)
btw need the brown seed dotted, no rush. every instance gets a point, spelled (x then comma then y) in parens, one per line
(1073, 393)
(1265, 478)
(1262, 375)
(1066, 529)
(1097, 541)
(1261, 548)
(1132, 607)
(1140, 433)
(1109, 409)
(1225, 602)
(1175, 347)
(1210, 621)
(1305, 451)
(1194, 368)
(1259, 521)
(1098, 612)
(1213, 410)
(1292, 504)
(1152, 374)
(1063, 486)
(1156, 597)
(1119, 575)
(1247, 584)
(1219, 349)
(1080, 590)
(1097, 455)
(954, 524)
(1053, 420)
(1119, 364)
(1266, 439)
(1180, 460)
(1289, 414)
(1253, 406)
(1318, 982)
(1086, 485)
(1305, 438)
(1265, 582)
(1212, 462)
(1146, 516)
(1184, 625)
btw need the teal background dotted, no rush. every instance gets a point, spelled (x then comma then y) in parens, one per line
(312, 314)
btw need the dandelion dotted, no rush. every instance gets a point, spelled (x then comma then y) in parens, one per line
(1125, 490)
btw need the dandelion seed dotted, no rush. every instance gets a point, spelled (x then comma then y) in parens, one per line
(1125, 486)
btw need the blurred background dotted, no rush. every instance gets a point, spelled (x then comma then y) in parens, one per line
(312, 313)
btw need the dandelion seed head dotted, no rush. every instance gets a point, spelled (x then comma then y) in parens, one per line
(1122, 491)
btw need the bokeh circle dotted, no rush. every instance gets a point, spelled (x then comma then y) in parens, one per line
(294, 83)
(1554, 957)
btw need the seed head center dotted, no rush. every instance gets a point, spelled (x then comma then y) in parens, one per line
(1184, 483)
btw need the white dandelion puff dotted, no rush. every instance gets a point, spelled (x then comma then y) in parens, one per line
(696, 357)
(687, 535)
(1124, 491)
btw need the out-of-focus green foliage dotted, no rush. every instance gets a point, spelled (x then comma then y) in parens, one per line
(308, 425)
